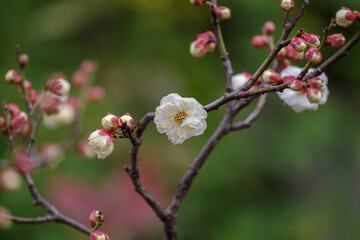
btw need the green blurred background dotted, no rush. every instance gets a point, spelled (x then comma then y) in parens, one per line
(291, 176)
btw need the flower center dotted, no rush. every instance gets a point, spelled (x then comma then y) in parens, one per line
(180, 116)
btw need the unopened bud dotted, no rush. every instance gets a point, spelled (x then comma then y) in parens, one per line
(270, 76)
(357, 15)
(10, 180)
(296, 85)
(12, 108)
(287, 5)
(49, 103)
(298, 44)
(12, 77)
(313, 55)
(315, 82)
(197, 2)
(345, 17)
(97, 235)
(312, 40)
(288, 79)
(268, 28)
(259, 41)
(22, 160)
(95, 94)
(88, 66)
(198, 48)
(335, 40)
(222, 13)
(110, 122)
(23, 60)
(128, 121)
(294, 55)
(32, 95)
(314, 95)
(19, 120)
(79, 78)
(96, 216)
(281, 54)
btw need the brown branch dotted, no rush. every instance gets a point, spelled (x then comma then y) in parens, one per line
(253, 116)
(224, 54)
(133, 170)
(37, 220)
(282, 42)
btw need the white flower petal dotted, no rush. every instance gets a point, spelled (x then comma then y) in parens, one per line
(178, 130)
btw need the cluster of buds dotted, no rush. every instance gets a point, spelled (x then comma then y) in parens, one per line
(205, 42)
(96, 220)
(19, 123)
(304, 41)
(345, 17)
(222, 13)
(312, 87)
(81, 76)
(101, 141)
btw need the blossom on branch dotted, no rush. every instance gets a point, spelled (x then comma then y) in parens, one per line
(298, 100)
(180, 118)
(101, 143)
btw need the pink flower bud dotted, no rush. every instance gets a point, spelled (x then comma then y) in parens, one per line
(97, 235)
(222, 13)
(32, 95)
(4, 132)
(88, 66)
(335, 40)
(110, 122)
(79, 78)
(101, 143)
(296, 85)
(95, 94)
(5, 222)
(10, 180)
(268, 28)
(49, 103)
(28, 85)
(357, 15)
(22, 160)
(84, 150)
(345, 17)
(288, 79)
(127, 121)
(94, 217)
(294, 55)
(312, 40)
(287, 5)
(12, 77)
(19, 121)
(314, 95)
(259, 41)
(315, 82)
(209, 39)
(270, 76)
(12, 108)
(198, 48)
(23, 60)
(313, 55)
(58, 86)
(298, 44)
(197, 2)
(2, 121)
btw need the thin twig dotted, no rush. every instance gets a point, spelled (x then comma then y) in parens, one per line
(252, 116)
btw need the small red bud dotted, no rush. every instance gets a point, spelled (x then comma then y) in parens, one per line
(313, 55)
(95, 94)
(222, 13)
(94, 217)
(296, 85)
(23, 60)
(335, 40)
(268, 28)
(259, 41)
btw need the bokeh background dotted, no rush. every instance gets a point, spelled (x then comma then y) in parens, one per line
(291, 176)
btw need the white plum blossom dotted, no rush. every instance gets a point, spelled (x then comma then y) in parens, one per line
(297, 100)
(180, 118)
(239, 80)
(101, 143)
